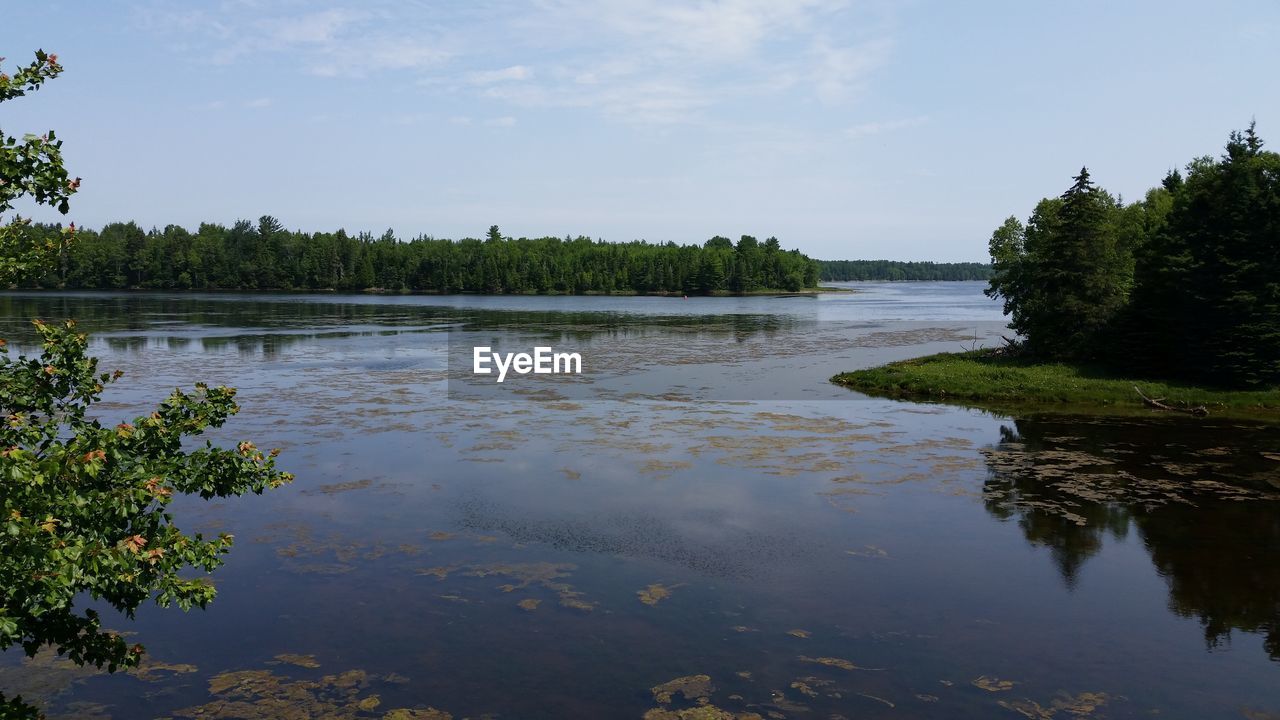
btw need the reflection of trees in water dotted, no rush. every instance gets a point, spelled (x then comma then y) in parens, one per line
(1071, 482)
(268, 325)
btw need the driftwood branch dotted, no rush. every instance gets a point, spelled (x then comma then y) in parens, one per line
(1158, 404)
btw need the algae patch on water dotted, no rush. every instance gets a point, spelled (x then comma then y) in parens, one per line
(655, 593)
(992, 684)
(692, 687)
(264, 695)
(1081, 705)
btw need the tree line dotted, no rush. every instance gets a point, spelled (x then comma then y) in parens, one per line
(852, 270)
(1184, 284)
(266, 256)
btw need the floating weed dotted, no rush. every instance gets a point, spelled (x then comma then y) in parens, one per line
(654, 466)
(992, 684)
(43, 677)
(263, 695)
(440, 536)
(656, 593)
(440, 572)
(697, 688)
(302, 661)
(800, 633)
(341, 487)
(417, 714)
(570, 474)
(702, 712)
(834, 662)
(529, 604)
(1077, 706)
(154, 670)
(804, 688)
(544, 574)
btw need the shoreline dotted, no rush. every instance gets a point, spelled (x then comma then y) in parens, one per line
(1000, 384)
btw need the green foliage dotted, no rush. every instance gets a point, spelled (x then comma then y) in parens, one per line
(997, 381)
(1184, 284)
(266, 256)
(32, 167)
(1067, 273)
(894, 270)
(83, 507)
(1207, 303)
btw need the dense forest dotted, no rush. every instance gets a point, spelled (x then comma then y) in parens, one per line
(1184, 284)
(843, 270)
(262, 256)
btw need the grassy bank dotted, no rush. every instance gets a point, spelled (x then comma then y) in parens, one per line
(982, 379)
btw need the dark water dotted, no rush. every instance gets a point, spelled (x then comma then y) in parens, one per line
(814, 553)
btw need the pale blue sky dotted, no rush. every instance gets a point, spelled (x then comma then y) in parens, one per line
(903, 130)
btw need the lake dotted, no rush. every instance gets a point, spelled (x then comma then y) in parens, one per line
(697, 526)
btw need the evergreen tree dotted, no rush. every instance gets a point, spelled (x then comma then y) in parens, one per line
(1207, 305)
(1066, 275)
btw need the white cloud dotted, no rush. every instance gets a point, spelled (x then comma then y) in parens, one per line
(642, 61)
(506, 121)
(258, 102)
(335, 42)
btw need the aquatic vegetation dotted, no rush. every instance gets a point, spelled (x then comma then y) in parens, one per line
(417, 714)
(702, 712)
(333, 554)
(833, 662)
(546, 575)
(655, 593)
(992, 684)
(663, 467)
(264, 695)
(339, 487)
(804, 688)
(303, 661)
(43, 677)
(529, 604)
(800, 633)
(150, 670)
(1077, 706)
(693, 687)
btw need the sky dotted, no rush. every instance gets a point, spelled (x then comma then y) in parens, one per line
(847, 129)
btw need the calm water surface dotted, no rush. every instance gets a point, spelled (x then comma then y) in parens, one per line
(699, 526)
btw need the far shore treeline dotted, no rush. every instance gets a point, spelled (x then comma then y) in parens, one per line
(265, 256)
(895, 270)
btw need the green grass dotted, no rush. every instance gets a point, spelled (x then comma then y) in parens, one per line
(981, 379)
